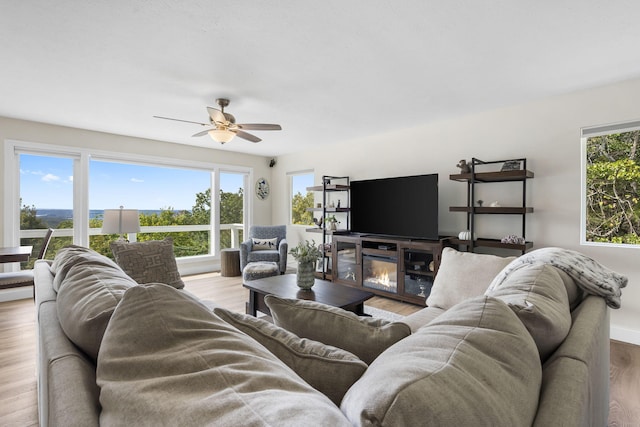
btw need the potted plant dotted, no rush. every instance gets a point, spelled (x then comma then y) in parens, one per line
(331, 219)
(306, 254)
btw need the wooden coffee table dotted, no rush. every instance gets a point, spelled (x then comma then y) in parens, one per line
(323, 291)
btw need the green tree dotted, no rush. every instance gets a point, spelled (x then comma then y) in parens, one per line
(613, 178)
(299, 205)
(29, 221)
(29, 218)
(231, 212)
(201, 211)
(186, 243)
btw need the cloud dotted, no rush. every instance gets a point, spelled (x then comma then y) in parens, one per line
(50, 178)
(137, 180)
(30, 172)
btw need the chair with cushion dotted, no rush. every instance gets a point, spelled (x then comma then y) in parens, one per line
(15, 279)
(265, 243)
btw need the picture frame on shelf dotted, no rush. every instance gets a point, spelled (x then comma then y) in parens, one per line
(326, 262)
(510, 165)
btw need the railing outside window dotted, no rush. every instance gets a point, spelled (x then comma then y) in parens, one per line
(64, 236)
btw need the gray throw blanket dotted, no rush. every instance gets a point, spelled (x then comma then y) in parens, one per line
(589, 275)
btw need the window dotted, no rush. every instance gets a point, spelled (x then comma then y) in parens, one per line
(68, 188)
(611, 185)
(46, 200)
(301, 199)
(164, 196)
(232, 209)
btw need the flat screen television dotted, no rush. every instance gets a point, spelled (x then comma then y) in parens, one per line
(404, 206)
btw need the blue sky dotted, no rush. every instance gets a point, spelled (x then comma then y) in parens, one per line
(301, 182)
(47, 183)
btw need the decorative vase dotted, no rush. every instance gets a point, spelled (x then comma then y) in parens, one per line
(305, 275)
(466, 235)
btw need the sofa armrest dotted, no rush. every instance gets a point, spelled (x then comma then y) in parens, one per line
(575, 379)
(283, 248)
(422, 317)
(245, 248)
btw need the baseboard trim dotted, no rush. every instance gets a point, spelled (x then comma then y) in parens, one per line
(630, 336)
(13, 294)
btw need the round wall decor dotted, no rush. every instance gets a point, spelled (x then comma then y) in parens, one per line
(262, 188)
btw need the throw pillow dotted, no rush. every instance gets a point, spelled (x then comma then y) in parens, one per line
(537, 294)
(365, 337)
(148, 262)
(475, 365)
(167, 360)
(328, 369)
(91, 288)
(264, 244)
(463, 275)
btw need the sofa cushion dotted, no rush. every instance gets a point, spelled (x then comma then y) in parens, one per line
(93, 286)
(363, 336)
(152, 261)
(536, 293)
(167, 360)
(474, 365)
(575, 294)
(72, 255)
(463, 275)
(328, 369)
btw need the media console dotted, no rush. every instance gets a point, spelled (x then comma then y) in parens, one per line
(398, 268)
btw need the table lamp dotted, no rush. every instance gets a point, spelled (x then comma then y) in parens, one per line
(121, 221)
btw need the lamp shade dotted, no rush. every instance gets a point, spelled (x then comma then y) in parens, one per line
(221, 135)
(121, 221)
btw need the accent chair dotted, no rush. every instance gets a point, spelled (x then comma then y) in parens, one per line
(265, 243)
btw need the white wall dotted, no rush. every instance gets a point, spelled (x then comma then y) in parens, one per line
(546, 132)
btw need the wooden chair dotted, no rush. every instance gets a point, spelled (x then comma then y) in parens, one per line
(24, 277)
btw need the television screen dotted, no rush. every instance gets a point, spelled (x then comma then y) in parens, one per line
(403, 206)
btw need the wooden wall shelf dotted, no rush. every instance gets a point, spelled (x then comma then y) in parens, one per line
(492, 210)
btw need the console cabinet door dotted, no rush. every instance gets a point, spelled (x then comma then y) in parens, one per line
(418, 265)
(347, 269)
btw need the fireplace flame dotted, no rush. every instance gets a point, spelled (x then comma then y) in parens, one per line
(383, 279)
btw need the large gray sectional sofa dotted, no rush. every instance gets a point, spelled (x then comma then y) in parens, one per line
(530, 350)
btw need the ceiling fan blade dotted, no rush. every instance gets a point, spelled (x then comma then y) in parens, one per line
(259, 126)
(247, 136)
(180, 120)
(202, 133)
(216, 115)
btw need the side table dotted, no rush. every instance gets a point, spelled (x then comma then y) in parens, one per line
(230, 262)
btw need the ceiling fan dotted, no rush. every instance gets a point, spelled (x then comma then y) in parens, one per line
(224, 125)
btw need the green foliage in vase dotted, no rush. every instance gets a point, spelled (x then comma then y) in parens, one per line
(306, 251)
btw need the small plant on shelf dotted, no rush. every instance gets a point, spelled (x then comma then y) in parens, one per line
(332, 221)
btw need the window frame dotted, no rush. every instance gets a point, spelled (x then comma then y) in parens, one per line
(82, 158)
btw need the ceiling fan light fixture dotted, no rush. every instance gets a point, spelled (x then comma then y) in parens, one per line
(221, 135)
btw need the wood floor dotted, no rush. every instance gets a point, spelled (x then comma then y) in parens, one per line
(18, 394)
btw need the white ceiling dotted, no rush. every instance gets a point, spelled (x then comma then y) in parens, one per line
(327, 71)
